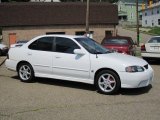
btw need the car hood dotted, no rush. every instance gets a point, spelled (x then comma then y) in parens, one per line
(123, 59)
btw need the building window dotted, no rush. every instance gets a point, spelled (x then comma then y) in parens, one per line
(131, 15)
(59, 33)
(152, 12)
(145, 13)
(90, 35)
(120, 8)
(157, 11)
(158, 21)
(80, 33)
(146, 22)
(152, 23)
(108, 33)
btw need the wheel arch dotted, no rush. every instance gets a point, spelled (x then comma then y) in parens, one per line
(21, 62)
(101, 69)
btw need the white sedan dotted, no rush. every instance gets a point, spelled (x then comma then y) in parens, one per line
(151, 49)
(80, 59)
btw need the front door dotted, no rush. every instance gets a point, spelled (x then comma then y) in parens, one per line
(68, 64)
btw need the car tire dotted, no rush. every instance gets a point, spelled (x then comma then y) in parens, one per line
(25, 72)
(107, 82)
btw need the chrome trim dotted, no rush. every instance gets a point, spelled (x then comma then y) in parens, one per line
(70, 69)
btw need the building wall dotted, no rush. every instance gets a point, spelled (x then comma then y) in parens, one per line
(27, 33)
(129, 7)
(44, 0)
(150, 17)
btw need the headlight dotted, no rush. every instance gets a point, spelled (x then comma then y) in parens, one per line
(134, 69)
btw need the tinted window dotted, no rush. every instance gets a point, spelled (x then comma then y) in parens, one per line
(44, 44)
(154, 40)
(65, 45)
(116, 41)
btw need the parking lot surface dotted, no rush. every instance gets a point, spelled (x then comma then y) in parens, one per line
(49, 99)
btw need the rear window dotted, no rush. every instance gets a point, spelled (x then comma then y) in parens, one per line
(116, 41)
(154, 40)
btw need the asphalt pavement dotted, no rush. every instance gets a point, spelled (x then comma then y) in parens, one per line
(50, 99)
(2, 60)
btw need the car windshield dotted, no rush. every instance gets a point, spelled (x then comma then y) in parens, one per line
(116, 41)
(92, 46)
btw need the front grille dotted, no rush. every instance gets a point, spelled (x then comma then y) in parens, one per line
(146, 66)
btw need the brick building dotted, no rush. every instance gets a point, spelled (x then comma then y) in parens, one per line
(23, 21)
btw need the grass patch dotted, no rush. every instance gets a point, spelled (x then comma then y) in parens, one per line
(155, 30)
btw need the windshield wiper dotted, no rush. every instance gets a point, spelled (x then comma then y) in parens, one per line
(96, 52)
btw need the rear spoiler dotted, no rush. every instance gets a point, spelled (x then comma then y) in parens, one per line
(15, 45)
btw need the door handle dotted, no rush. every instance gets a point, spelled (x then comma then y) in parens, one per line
(57, 57)
(29, 53)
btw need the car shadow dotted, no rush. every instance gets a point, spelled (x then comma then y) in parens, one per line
(154, 62)
(89, 87)
(135, 91)
(62, 83)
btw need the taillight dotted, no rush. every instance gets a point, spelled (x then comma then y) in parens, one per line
(143, 48)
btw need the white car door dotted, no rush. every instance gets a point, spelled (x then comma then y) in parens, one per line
(68, 64)
(40, 55)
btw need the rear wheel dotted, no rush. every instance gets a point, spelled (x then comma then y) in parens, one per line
(107, 82)
(25, 72)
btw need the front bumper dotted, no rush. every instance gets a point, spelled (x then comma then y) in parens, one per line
(138, 79)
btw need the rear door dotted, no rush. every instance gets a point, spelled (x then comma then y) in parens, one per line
(40, 55)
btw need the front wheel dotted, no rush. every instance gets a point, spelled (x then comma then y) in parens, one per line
(107, 82)
(25, 72)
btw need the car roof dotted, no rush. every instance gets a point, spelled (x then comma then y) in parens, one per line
(53, 35)
(120, 37)
(67, 36)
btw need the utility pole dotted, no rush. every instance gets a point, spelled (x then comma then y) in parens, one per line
(137, 16)
(87, 18)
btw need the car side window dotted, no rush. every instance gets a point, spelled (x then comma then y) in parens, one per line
(65, 45)
(43, 44)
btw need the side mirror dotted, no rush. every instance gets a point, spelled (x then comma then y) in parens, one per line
(79, 52)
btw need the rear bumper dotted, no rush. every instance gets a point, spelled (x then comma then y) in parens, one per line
(11, 64)
(150, 55)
